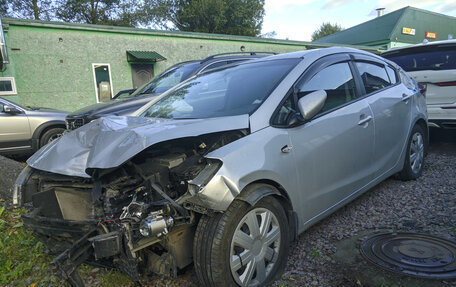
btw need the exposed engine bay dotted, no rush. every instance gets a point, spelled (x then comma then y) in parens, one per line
(134, 217)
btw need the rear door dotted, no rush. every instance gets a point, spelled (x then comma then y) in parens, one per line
(391, 104)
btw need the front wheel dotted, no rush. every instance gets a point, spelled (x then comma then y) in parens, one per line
(51, 135)
(414, 159)
(245, 246)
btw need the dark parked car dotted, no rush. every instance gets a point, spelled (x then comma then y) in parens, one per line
(124, 93)
(125, 103)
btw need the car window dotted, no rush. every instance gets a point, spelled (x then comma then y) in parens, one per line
(374, 77)
(226, 92)
(1, 107)
(337, 81)
(406, 80)
(419, 60)
(392, 75)
(167, 79)
(283, 114)
(215, 65)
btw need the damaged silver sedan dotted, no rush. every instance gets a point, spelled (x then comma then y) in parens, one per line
(225, 169)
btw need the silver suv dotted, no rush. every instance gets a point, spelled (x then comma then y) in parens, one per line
(226, 168)
(23, 130)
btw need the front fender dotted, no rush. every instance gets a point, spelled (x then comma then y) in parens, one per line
(253, 158)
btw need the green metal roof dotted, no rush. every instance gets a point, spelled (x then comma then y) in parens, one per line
(167, 33)
(144, 56)
(387, 28)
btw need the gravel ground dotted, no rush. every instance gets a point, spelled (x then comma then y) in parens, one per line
(9, 170)
(427, 205)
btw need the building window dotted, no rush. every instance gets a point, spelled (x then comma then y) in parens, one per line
(7, 86)
(102, 80)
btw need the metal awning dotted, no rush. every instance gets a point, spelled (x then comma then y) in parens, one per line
(144, 56)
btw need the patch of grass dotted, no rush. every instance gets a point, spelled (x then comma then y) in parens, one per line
(22, 261)
(102, 277)
(315, 253)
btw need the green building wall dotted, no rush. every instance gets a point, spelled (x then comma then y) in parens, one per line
(52, 62)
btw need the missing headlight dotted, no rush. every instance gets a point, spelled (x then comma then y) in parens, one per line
(198, 183)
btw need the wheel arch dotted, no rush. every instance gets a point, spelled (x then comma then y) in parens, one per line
(257, 190)
(421, 122)
(41, 129)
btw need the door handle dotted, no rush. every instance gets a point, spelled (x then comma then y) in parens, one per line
(286, 149)
(405, 97)
(364, 119)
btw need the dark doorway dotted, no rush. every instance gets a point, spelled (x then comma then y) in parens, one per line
(141, 74)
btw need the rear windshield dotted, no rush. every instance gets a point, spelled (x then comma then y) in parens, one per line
(419, 60)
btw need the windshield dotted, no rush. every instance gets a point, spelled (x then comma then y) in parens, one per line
(228, 92)
(167, 79)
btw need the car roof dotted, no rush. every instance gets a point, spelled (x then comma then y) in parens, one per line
(421, 45)
(321, 52)
(237, 55)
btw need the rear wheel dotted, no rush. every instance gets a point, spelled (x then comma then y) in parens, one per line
(245, 246)
(51, 135)
(414, 159)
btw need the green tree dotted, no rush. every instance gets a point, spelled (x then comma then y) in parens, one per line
(3, 8)
(31, 9)
(234, 17)
(106, 12)
(325, 30)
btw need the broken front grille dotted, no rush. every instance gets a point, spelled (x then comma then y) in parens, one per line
(64, 197)
(73, 124)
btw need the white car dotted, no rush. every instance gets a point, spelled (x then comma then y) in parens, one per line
(434, 66)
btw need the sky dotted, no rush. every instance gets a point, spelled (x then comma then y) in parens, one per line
(298, 19)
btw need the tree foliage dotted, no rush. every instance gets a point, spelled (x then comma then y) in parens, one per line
(234, 17)
(3, 8)
(30, 9)
(107, 12)
(325, 30)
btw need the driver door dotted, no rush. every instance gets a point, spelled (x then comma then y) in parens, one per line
(14, 129)
(334, 151)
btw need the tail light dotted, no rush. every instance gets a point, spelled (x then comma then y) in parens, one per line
(446, 84)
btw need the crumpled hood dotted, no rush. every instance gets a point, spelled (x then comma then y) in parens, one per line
(109, 142)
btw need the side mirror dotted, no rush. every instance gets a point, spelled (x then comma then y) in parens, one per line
(311, 104)
(11, 110)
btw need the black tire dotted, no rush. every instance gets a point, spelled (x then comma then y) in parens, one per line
(416, 145)
(214, 243)
(51, 135)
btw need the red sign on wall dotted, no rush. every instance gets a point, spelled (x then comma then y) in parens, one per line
(431, 35)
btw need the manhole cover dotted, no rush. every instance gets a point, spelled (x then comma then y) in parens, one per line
(413, 254)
